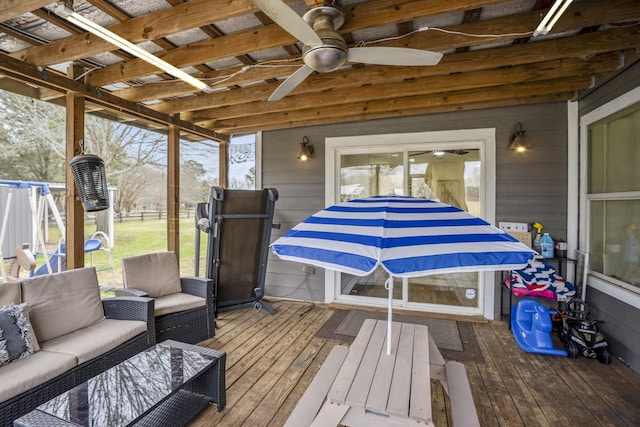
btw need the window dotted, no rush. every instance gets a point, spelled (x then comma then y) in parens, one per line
(613, 197)
(242, 162)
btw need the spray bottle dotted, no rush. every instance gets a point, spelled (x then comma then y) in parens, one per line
(536, 242)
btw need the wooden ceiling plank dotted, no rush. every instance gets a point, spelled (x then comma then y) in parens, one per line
(12, 8)
(579, 46)
(196, 53)
(45, 15)
(269, 36)
(593, 12)
(506, 102)
(197, 13)
(44, 77)
(567, 85)
(370, 14)
(121, 16)
(165, 22)
(424, 86)
(525, 97)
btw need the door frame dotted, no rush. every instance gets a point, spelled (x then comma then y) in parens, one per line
(482, 138)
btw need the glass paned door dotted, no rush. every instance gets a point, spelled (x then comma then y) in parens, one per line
(454, 177)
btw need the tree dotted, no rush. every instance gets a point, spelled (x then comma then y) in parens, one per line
(129, 154)
(32, 139)
(32, 143)
(194, 187)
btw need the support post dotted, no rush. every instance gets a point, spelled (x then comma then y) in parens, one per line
(173, 190)
(224, 164)
(74, 236)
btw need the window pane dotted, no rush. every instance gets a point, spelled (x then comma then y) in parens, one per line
(614, 152)
(365, 175)
(452, 177)
(242, 162)
(615, 245)
(199, 171)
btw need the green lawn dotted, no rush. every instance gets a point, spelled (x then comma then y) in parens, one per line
(136, 238)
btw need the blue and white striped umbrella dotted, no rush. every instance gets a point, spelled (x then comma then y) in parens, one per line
(408, 237)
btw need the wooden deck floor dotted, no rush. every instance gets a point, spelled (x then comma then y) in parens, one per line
(272, 359)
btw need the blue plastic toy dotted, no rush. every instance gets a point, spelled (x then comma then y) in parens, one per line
(531, 326)
(58, 260)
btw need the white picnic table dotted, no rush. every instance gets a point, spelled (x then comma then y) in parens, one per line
(363, 385)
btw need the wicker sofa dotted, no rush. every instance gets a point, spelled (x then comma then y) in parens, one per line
(77, 335)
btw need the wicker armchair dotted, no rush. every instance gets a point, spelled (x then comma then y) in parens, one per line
(183, 305)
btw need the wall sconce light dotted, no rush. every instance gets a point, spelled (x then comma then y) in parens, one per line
(518, 140)
(306, 149)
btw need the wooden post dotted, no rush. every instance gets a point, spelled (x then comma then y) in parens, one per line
(173, 190)
(75, 213)
(224, 163)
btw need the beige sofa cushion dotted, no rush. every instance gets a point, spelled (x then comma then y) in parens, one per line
(63, 302)
(92, 341)
(24, 374)
(9, 293)
(177, 302)
(156, 273)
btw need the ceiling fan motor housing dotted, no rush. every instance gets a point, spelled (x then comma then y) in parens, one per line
(329, 56)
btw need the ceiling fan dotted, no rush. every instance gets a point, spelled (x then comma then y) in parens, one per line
(325, 50)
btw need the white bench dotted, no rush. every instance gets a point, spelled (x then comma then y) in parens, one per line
(463, 410)
(322, 403)
(312, 399)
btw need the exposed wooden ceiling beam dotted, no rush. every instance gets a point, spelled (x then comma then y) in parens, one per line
(429, 85)
(564, 85)
(508, 102)
(269, 36)
(153, 26)
(514, 94)
(592, 41)
(494, 99)
(552, 49)
(43, 77)
(12, 8)
(591, 12)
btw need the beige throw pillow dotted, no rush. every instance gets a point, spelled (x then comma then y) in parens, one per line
(64, 302)
(156, 273)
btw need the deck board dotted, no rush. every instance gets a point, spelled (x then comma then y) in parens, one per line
(272, 359)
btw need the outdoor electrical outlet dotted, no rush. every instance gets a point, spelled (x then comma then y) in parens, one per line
(307, 269)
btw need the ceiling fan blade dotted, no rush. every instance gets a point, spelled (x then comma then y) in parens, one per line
(291, 83)
(289, 20)
(393, 56)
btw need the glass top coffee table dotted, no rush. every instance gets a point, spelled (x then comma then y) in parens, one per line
(166, 385)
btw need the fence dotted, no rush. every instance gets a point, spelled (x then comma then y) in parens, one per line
(141, 216)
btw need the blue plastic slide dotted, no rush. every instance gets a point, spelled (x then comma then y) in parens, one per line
(58, 258)
(531, 326)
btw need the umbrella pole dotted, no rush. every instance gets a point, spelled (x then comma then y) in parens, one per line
(389, 286)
